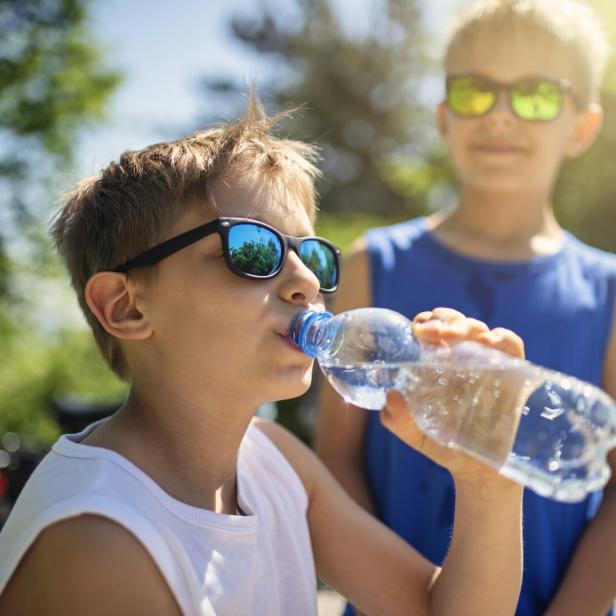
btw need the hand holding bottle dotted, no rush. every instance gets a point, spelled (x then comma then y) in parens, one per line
(444, 326)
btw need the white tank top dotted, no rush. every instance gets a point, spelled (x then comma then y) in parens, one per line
(259, 564)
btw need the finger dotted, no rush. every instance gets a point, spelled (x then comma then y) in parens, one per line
(476, 327)
(395, 407)
(422, 317)
(397, 417)
(430, 331)
(503, 340)
(447, 314)
(462, 328)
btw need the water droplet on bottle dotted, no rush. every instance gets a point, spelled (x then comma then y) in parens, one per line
(551, 414)
(554, 398)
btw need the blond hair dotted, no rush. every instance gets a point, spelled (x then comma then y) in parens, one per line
(127, 209)
(570, 27)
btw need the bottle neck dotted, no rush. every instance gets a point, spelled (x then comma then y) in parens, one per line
(309, 332)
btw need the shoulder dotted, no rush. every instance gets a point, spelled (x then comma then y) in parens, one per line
(395, 248)
(400, 235)
(75, 562)
(598, 262)
(370, 254)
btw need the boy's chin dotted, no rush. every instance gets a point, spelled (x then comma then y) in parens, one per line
(296, 387)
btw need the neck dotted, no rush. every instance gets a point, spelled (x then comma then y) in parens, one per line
(500, 226)
(188, 447)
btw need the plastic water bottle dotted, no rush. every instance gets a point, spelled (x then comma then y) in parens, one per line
(544, 429)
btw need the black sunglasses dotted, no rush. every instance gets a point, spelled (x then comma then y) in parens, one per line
(535, 99)
(252, 249)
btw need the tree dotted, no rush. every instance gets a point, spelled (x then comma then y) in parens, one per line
(52, 83)
(359, 89)
(256, 257)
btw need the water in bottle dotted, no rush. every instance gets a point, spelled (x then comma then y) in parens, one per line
(546, 430)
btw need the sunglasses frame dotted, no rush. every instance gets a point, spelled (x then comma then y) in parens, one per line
(564, 86)
(222, 226)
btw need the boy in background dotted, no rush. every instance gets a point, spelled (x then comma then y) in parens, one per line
(522, 95)
(190, 259)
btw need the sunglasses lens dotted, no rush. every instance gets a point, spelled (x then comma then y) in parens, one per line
(321, 260)
(468, 97)
(536, 100)
(254, 250)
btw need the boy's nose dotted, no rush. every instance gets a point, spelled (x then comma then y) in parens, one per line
(298, 283)
(501, 109)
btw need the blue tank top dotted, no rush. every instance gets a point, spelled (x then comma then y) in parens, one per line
(562, 306)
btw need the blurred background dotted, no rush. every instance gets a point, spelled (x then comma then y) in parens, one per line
(82, 81)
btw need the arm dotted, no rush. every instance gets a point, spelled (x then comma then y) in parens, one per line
(589, 586)
(341, 427)
(378, 571)
(87, 565)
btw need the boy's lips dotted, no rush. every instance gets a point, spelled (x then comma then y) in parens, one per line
(498, 147)
(286, 337)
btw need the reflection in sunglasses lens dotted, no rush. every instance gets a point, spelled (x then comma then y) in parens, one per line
(320, 259)
(469, 97)
(254, 250)
(541, 101)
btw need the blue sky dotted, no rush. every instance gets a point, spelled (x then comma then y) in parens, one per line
(163, 48)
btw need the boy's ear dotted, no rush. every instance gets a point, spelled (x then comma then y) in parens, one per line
(112, 300)
(588, 124)
(441, 119)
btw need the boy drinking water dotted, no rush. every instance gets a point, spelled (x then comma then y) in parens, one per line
(522, 95)
(190, 259)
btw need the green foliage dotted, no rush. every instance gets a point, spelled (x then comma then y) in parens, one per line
(51, 77)
(52, 83)
(416, 180)
(36, 370)
(256, 257)
(320, 261)
(359, 90)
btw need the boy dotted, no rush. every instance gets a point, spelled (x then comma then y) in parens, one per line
(522, 85)
(186, 260)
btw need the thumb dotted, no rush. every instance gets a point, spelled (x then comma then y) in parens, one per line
(397, 417)
(395, 409)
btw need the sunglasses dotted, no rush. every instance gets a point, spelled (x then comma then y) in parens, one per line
(252, 249)
(536, 99)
